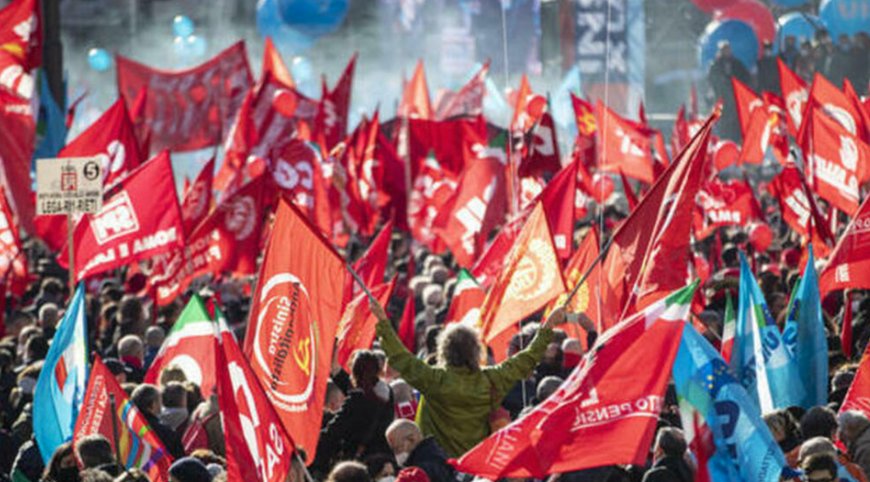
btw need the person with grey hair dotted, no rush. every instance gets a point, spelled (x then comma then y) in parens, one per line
(131, 351)
(846, 470)
(48, 318)
(669, 458)
(460, 395)
(853, 432)
(154, 337)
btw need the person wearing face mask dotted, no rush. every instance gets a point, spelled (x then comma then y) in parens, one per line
(411, 449)
(382, 467)
(62, 466)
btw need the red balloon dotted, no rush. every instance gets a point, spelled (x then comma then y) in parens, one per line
(602, 187)
(725, 153)
(761, 236)
(754, 13)
(710, 5)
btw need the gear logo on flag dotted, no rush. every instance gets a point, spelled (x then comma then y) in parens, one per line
(795, 103)
(535, 273)
(241, 217)
(286, 336)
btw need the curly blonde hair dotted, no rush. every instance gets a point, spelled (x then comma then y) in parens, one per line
(459, 346)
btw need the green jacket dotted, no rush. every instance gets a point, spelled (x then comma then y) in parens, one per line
(458, 401)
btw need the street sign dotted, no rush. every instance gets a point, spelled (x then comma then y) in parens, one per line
(69, 185)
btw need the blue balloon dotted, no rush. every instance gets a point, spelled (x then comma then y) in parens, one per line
(182, 26)
(744, 43)
(197, 45)
(269, 24)
(801, 26)
(301, 69)
(845, 16)
(313, 17)
(99, 59)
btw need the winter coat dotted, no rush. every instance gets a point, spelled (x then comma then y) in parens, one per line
(669, 469)
(430, 457)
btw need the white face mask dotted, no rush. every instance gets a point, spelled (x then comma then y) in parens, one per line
(401, 458)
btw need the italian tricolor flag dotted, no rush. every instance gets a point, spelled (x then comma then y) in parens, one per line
(467, 299)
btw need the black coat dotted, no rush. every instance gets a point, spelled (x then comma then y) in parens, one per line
(669, 469)
(432, 459)
(357, 430)
(170, 438)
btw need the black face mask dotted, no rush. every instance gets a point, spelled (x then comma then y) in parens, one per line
(67, 474)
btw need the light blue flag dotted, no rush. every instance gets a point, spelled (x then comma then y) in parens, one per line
(62, 380)
(760, 359)
(744, 447)
(811, 340)
(51, 125)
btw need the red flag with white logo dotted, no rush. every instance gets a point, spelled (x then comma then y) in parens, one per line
(189, 109)
(720, 204)
(293, 321)
(795, 94)
(799, 209)
(468, 101)
(197, 199)
(258, 446)
(587, 126)
(849, 264)
(832, 101)
(21, 33)
(17, 131)
(296, 170)
(141, 220)
(747, 102)
(332, 111)
(431, 191)
(623, 147)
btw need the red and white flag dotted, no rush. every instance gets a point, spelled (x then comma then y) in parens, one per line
(356, 329)
(10, 242)
(332, 111)
(141, 220)
(20, 45)
(858, 396)
(795, 94)
(799, 209)
(293, 322)
(274, 65)
(622, 147)
(415, 103)
(431, 191)
(197, 198)
(849, 264)
(17, 132)
(189, 109)
(720, 204)
(468, 101)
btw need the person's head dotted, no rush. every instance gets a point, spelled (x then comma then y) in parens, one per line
(147, 399)
(820, 468)
(172, 373)
(117, 368)
(334, 397)
(130, 346)
(403, 436)
(154, 337)
(459, 347)
(349, 472)
(843, 41)
(432, 333)
(724, 49)
(48, 316)
(94, 450)
(36, 348)
(819, 421)
(547, 387)
(670, 442)
(365, 370)
(851, 423)
(381, 467)
(51, 291)
(62, 465)
(816, 445)
(781, 426)
(433, 296)
(175, 395)
(188, 469)
(572, 352)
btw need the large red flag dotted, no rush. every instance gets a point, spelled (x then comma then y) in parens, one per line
(141, 220)
(189, 109)
(609, 402)
(747, 101)
(332, 111)
(720, 204)
(21, 34)
(849, 264)
(858, 396)
(372, 265)
(826, 97)
(622, 147)
(137, 445)
(427, 137)
(415, 103)
(113, 139)
(17, 131)
(10, 242)
(258, 446)
(431, 191)
(468, 101)
(297, 168)
(356, 330)
(839, 161)
(766, 127)
(587, 126)
(293, 322)
(197, 199)
(799, 209)
(795, 94)
(531, 278)
(274, 65)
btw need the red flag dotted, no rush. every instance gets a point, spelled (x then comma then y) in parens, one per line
(415, 103)
(795, 94)
(839, 161)
(197, 116)
(21, 34)
(531, 278)
(607, 403)
(799, 209)
(427, 137)
(528, 108)
(293, 321)
(849, 264)
(468, 101)
(296, 168)
(650, 247)
(273, 64)
(112, 138)
(586, 300)
(587, 126)
(539, 150)
(356, 329)
(137, 445)
(227, 241)
(197, 199)
(623, 147)
(258, 446)
(371, 266)
(432, 189)
(747, 102)
(629, 192)
(141, 220)
(17, 131)
(332, 111)
(10, 242)
(720, 204)
(858, 396)
(476, 208)
(863, 113)
(766, 127)
(407, 326)
(467, 300)
(835, 103)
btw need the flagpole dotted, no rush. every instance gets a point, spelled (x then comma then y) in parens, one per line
(580, 282)
(362, 284)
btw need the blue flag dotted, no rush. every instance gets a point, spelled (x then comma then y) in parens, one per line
(811, 341)
(744, 447)
(760, 360)
(51, 124)
(63, 380)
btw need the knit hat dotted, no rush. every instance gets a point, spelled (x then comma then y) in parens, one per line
(189, 469)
